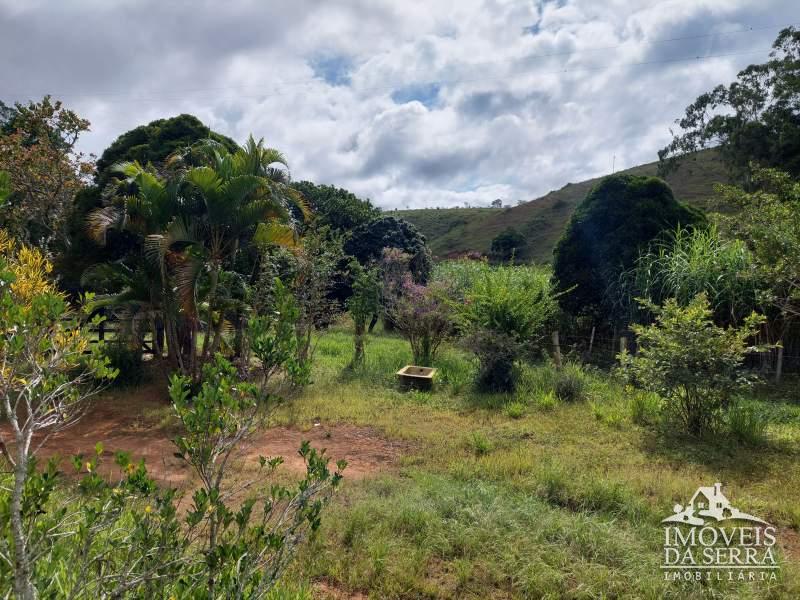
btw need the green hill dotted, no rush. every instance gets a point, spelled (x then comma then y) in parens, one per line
(454, 231)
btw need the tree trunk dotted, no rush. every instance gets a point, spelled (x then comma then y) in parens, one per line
(23, 587)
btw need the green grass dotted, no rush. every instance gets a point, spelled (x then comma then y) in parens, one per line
(453, 232)
(524, 495)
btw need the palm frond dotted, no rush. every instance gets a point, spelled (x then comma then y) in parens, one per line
(275, 233)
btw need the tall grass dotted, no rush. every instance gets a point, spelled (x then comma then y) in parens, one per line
(690, 261)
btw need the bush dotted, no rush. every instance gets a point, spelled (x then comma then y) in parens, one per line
(694, 364)
(505, 313)
(569, 385)
(617, 219)
(128, 361)
(423, 317)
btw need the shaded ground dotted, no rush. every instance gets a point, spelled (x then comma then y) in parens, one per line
(137, 421)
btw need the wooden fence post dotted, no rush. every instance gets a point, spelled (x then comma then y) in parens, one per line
(556, 350)
(779, 365)
(623, 344)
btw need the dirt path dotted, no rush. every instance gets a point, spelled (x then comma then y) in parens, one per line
(134, 421)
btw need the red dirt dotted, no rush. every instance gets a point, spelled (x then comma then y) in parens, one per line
(130, 422)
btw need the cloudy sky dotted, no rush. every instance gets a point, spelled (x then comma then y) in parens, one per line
(412, 103)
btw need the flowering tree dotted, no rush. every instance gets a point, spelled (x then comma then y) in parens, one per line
(45, 378)
(423, 317)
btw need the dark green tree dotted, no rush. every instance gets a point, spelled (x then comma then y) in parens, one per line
(756, 118)
(507, 244)
(155, 142)
(619, 217)
(367, 242)
(340, 210)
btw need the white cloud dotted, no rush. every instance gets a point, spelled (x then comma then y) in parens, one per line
(417, 103)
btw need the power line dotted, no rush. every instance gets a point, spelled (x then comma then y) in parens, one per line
(443, 82)
(305, 82)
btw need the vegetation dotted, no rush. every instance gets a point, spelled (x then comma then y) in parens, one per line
(44, 170)
(507, 245)
(362, 304)
(620, 216)
(335, 208)
(367, 242)
(687, 262)
(190, 228)
(505, 313)
(692, 363)
(752, 120)
(523, 472)
(424, 317)
(458, 232)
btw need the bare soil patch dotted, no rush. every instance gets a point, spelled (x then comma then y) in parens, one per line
(136, 421)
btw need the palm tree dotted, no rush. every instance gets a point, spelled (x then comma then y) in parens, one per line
(193, 224)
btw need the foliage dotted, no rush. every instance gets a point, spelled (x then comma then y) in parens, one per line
(618, 218)
(362, 304)
(190, 228)
(242, 551)
(423, 316)
(507, 244)
(273, 340)
(45, 172)
(311, 271)
(336, 208)
(154, 143)
(129, 539)
(569, 384)
(505, 313)
(367, 242)
(127, 361)
(769, 223)
(45, 380)
(693, 363)
(690, 261)
(753, 119)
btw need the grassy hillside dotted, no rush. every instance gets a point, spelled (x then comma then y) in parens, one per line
(457, 230)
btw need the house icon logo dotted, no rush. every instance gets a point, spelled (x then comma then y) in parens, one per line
(709, 539)
(709, 503)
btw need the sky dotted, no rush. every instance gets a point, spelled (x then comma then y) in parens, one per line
(410, 103)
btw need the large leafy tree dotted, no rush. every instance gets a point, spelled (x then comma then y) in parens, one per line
(155, 142)
(755, 118)
(367, 242)
(44, 171)
(191, 226)
(617, 219)
(336, 208)
(768, 221)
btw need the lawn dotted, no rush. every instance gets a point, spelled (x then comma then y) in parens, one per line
(524, 495)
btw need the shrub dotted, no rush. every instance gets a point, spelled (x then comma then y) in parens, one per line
(693, 363)
(479, 444)
(128, 362)
(548, 401)
(273, 340)
(423, 317)
(515, 410)
(507, 245)
(569, 384)
(362, 305)
(505, 313)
